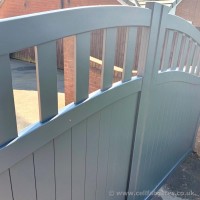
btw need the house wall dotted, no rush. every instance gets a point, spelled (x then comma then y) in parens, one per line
(189, 10)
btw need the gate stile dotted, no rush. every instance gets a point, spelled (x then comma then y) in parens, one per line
(148, 74)
(126, 137)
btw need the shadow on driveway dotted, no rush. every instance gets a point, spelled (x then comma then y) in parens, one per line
(24, 76)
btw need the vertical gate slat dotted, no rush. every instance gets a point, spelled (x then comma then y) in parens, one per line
(103, 156)
(166, 56)
(184, 54)
(8, 127)
(198, 67)
(143, 51)
(92, 156)
(46, 69)
(63, 166)
(44, 172)
(109, 45)
(78, 160)
(131, 39)
(190, 56)
(195, 60)
(165, 44)
(5, 186)
(174, 63)
(23, 179)
(82, 67)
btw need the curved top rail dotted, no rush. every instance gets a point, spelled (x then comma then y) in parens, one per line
(25, 31)
(177, 76)
(178, 24)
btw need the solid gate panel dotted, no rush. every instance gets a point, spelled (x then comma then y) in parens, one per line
(169, 135)
(63, 166)
(5, 186)
(44, 172)
(122, 135)
(23, 179)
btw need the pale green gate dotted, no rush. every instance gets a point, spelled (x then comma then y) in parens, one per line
(170, 100)
(117, 139)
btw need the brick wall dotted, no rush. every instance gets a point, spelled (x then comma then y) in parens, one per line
(95, 72)
(21, 7)
(189, 10)
(12, 8)
(75, 3)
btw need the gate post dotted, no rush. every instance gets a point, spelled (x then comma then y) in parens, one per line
(149, 71)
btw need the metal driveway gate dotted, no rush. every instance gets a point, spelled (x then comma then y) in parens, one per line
(125, 137)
